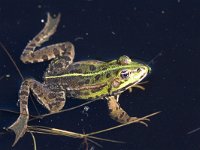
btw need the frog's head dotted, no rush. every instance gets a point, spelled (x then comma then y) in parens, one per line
(129, 73)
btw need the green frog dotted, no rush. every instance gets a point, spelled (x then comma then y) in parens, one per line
(89, 80)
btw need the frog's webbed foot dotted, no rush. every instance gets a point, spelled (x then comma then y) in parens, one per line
(118, 114)
(51, 100)
(142, 121)
(139, 86)
(63, 50)
(48, 30)
(50, 27)
(19, 127)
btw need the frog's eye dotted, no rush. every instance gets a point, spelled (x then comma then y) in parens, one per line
(125, 74)
(124, 60)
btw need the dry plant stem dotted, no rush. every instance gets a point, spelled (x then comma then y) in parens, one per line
(121, 125)
(46, 115)
(17, 68)
(14, 112)
(64, 110)
(2, 77)
(34, 141)
(95, 143)
(10, 57)
(58, 132)
(193, 131)
(54, 131)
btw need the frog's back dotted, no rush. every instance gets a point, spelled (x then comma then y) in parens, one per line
(81, 79)
(84, 73)
(85, 67)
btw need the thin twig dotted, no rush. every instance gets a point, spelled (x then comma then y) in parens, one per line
(2, 77)
(10, 57)
(34, 141)
(195, 130)
(46, 115)
(12, 111)
(59, 132)
(18, 70)
(99, 145)
(64, 110)
(125, 124)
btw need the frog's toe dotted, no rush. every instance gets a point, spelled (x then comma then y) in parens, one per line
(142, 121)
(19, 127)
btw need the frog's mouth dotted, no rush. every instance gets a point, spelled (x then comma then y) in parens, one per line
(117, 92)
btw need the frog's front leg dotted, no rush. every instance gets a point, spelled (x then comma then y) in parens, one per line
(53, 100)
(118, 114)
(66, 49)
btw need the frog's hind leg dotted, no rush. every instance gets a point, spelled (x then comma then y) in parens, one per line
(52, 100)
(118, 114)
(30, 55)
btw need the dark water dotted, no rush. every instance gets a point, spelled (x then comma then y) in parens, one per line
(105, 30)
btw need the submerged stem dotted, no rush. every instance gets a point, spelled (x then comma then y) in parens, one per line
(34, 141)
(64, 110)
(125, 124)
(59, 132)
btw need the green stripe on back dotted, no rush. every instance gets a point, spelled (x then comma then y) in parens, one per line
(109, 69)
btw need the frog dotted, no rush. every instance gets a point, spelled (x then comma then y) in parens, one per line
(64, 78)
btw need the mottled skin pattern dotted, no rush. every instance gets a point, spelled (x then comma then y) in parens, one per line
(89, 80)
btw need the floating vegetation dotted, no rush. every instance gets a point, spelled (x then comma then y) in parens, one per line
(86, 137)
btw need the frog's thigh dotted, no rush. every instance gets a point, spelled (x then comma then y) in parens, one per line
(116, 112)
(52, 100)
(47, 53)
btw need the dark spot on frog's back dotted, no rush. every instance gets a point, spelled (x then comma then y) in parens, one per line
(45, 57)
(69, 52)
(35, 86)
(24, 93)
(37, 39)
(51, 95)
(75, 70)
(92, 67)
(58, 65)
(97, 77)
(56, 52)
(76, 65)
(40, 95)
(85, 93)
(94, 90)
(122, 115)
(78, 70)
(32, 45)
(28, 49)
(90, 98)
(60, 99)
(128, 119)
(67, 58)
(87, 81)
(32, 55)
(108, 75)
(81, 82)
(62, 47)
(34, 61)
(104, 68)
(97, 97)
(76, 93)
(24, 102)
